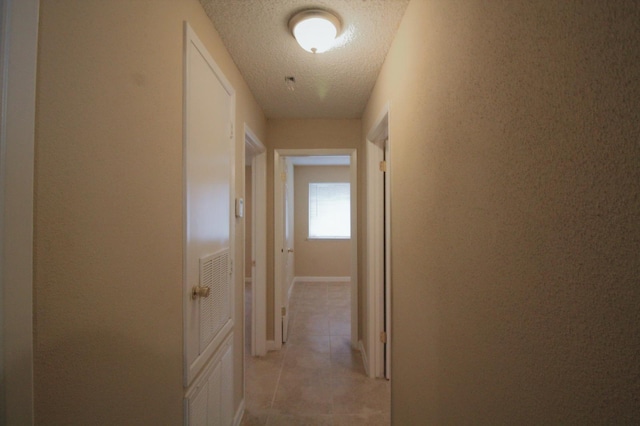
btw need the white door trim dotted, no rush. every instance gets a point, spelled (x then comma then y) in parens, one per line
(376, 242)
(278, 220)
(258, 243)
(18, 46)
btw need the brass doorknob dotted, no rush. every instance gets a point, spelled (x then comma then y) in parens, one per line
(199, 291)
(290, 250)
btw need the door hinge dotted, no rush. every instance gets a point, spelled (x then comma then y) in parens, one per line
(231, 130)
(231, 267)
(283, 175)
(383, 337)
(284, 311)
(383, 166)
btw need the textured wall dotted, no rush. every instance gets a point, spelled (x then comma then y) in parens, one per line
(108, 215)
(515, 155)
(317, 258)
(300, 134)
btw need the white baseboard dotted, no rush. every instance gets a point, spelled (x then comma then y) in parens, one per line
(237, 419)
(364, 357)
(247, 280)
(322, 279)
(271, 346)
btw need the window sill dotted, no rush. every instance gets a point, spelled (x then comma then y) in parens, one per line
(328, 238)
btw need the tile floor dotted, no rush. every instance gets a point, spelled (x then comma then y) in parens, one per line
(316, 379)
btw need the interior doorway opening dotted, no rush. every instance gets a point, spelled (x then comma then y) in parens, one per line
(282, 286)
(255, 245)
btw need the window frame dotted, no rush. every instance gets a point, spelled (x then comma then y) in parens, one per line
(329, 238)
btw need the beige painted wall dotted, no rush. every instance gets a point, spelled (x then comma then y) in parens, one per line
(317, 258)
(108, 214)
(300, 134)
(515, 212)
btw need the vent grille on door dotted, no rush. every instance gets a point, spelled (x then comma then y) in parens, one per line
(215, 309)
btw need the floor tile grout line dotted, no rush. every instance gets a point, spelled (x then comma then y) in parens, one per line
(275, 391)
(331, 343)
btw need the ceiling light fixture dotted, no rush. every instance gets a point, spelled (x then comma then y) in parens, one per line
(315, 30)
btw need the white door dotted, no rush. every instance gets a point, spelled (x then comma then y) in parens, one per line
(287, 249)
(208, 188)
(209, 401)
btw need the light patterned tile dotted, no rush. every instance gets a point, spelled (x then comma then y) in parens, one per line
(306, 359)
(300, 420)
(317, 378)
(341, 345)
(341, 302)
(347, 365)
(320, 344)
(360, 395)
(310, 306)
(302, 394)
(307, 301)
(254, 417)
(339, 313)
(339, 328)
(311, 325)
(361, 419)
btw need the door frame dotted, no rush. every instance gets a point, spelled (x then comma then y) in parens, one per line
(278, 245)
(258, 163)
(278, 232)
(288, 257)
(18, 58)
(378, 242)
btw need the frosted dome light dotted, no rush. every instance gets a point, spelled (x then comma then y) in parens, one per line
(315, 30)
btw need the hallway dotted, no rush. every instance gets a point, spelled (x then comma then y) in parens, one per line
(316, 379)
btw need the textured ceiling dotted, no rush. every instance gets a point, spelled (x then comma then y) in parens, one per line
(334, 84)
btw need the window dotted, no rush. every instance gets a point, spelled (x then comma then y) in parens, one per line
(330, 210)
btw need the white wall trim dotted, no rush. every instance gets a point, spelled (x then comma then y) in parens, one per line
(322, 279)
(375, 240)
(354, 249)
(365, 360)
(237, 419)
(278, 243)
(259, 241)
(19, 52)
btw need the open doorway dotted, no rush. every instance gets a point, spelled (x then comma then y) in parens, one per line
(255, 245)
(284, 249)
(319, 373)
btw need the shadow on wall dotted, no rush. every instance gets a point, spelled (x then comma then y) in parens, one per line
(118, 389)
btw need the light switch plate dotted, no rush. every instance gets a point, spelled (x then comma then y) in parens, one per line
(239, 207)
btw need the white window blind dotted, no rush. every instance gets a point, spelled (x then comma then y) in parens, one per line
(330, 210)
